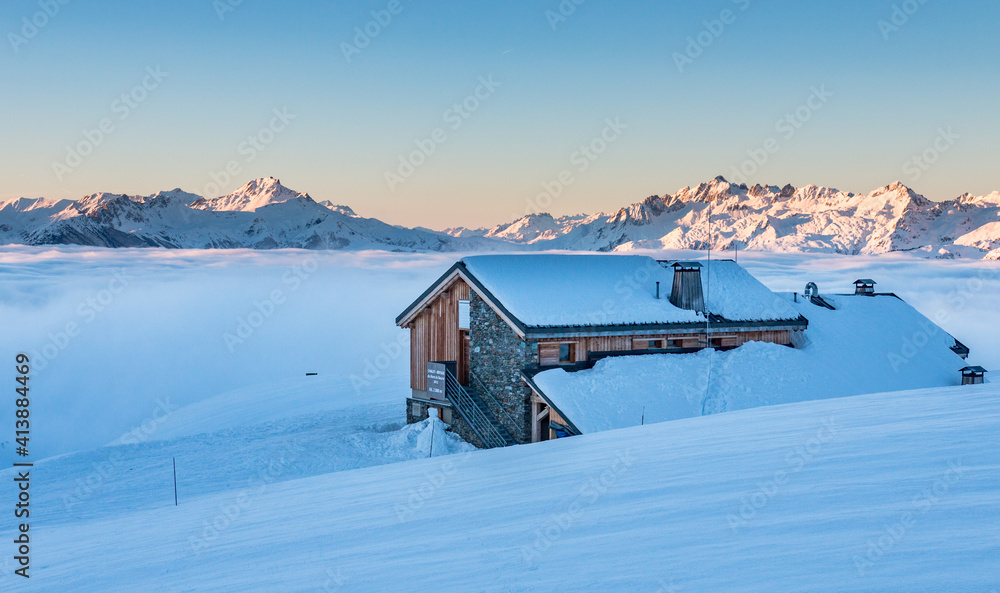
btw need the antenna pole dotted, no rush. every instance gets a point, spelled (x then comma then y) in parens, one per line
(708, 320)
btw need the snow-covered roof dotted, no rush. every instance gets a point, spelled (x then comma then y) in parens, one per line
(867, 345)
(559, 290)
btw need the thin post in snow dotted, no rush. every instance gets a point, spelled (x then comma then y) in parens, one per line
(174, 460)
(642, 422)
(432, 418)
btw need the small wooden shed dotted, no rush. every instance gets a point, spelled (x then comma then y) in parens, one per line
(973, 375)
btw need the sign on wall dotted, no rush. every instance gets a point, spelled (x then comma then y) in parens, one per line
(436, 374)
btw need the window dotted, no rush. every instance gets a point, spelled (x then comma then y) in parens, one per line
(716, 342)
(653, 345)
(674, 343)
(464, 315)
(567, 353)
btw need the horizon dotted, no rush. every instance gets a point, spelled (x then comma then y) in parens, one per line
(453, 115)
(502, 222)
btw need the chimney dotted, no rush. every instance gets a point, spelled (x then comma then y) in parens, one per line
(687, 292)
(973, 375)
(865, 286)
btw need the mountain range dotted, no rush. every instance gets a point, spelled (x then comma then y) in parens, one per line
(263, 214)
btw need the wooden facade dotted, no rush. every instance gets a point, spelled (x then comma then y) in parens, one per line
(435, 335)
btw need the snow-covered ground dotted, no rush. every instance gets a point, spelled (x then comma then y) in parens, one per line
(161, 354)
(881, 493)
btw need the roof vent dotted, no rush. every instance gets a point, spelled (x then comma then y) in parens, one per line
(865, 286)
(687, 292)
(812, 295)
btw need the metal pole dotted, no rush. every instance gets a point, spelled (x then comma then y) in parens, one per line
(174, 459)
(431, 454)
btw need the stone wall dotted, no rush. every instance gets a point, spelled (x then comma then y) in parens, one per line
(497, 358)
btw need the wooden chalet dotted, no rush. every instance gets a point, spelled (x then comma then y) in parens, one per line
(490, 323)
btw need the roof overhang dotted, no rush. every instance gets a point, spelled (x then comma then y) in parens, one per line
(657, 328)
(537, 391)
(459, 271)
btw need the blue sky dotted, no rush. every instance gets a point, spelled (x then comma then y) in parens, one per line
(927, 85)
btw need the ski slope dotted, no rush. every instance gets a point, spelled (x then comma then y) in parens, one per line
(886, 492)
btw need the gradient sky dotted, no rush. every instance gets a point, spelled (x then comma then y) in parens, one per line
(892, 91)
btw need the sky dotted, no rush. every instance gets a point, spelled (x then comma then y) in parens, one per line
(450, 113)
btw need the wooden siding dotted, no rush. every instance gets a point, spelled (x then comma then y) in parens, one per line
(434, 333)
(548, 349)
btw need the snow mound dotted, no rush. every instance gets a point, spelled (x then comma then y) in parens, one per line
(430, 438)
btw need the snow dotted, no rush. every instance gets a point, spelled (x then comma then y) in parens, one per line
(735, 294)
(806, 219)
(254, 195)
(876, 493)
(571, 290)
(295, 483)
(164, 335)
(869, 344)
(560, 289)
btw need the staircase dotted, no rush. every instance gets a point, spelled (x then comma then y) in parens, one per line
(472, 407)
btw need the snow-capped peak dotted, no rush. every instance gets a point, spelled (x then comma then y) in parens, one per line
(339, 208)
(253, 195)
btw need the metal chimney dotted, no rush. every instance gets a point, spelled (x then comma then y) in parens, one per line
(687, 292)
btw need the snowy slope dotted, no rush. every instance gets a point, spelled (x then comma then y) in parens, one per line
(877, 493)
(725, 215)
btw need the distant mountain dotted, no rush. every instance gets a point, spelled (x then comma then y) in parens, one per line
(263, 214)
(811, 218)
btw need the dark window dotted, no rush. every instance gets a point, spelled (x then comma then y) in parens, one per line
(567, 353)
(716, 342)
(673, 343)
(653, 344)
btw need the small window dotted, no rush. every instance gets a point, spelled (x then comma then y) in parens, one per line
(464, 315)
(716, 342)
(653, 344)
(567, 353)
(674, 343)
